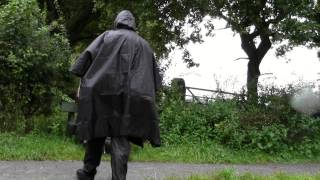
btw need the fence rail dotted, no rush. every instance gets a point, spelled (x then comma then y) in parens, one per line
(198, 98)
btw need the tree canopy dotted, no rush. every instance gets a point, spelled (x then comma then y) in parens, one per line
(158, 24)
(261, 24)
(264, 23)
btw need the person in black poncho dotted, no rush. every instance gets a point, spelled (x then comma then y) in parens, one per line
(119, 80)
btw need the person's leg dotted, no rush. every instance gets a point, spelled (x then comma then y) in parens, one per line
(120, 150)
(92, 158)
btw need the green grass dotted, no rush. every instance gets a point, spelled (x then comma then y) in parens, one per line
(49, 147)
(38, 147)
(230, 174)
(211, 152)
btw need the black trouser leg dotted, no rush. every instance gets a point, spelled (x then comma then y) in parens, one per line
(94, 150)
(120, 150)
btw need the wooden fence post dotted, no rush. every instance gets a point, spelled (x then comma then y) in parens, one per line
(179, 85)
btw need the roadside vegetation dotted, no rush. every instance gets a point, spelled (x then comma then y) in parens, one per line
(230, 174)
(222, 131)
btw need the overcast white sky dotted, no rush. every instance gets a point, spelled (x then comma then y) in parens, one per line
(217, 55)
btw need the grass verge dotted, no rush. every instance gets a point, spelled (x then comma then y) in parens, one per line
(49, 147)
(230, 174)
(37, 147)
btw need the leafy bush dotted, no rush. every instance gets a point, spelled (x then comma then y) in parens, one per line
(191, 122)
(271, 125)
(34, 64)
(54, 124)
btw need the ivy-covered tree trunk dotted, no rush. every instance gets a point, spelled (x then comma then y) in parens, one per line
(255, 56)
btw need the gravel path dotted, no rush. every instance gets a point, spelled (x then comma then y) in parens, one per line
(65, 170)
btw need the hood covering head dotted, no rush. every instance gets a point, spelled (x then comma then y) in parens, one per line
(125, 19)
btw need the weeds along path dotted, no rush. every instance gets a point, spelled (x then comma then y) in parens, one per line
(65, 170)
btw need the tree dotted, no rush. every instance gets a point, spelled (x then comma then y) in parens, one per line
(78, 17)
(260, 25)
(34, 63)
(85, 19)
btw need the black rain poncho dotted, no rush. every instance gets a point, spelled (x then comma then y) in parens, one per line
(119, 78)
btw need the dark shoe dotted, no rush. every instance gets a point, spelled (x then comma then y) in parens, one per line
(83, 174)
(107, 145)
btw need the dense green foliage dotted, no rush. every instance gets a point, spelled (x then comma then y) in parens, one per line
(159, 25)
(270, 126)
(34, 64)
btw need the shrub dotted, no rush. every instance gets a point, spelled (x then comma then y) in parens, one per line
(271, 125)
(54, 124)
(34, 64)
(191, 122)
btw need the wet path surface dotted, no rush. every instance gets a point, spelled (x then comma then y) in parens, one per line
(65, 170)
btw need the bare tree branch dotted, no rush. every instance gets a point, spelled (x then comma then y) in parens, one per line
(222, 28)
(241, 58)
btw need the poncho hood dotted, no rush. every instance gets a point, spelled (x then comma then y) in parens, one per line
(125, 18)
